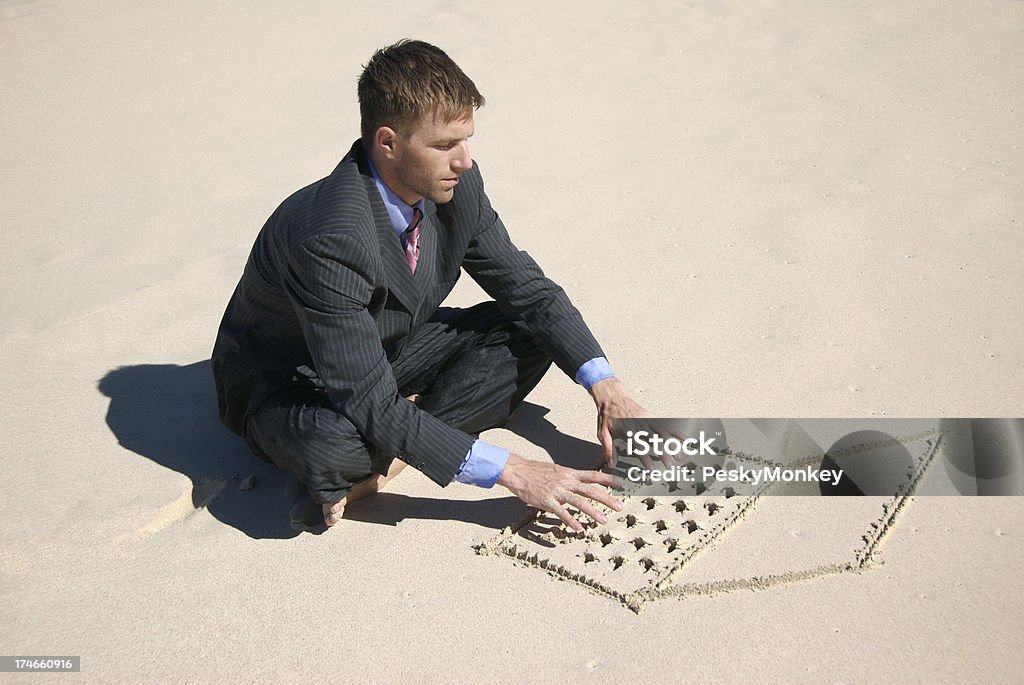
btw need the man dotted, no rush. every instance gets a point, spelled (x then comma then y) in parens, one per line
(334, 359)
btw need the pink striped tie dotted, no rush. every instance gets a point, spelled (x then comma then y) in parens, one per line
(411, 239)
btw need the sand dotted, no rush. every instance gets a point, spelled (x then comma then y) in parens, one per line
(788, 209)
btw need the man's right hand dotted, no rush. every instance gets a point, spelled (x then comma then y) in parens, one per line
(551, 487)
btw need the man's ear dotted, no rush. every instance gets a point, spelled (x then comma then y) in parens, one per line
(386, 139)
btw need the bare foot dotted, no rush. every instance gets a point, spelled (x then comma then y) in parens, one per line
(334, 512)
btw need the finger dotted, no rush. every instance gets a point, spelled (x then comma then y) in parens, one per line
(581, 503)
(645, 461)
(601, 496)
(554, 507)
(615, 483)
(598, 477)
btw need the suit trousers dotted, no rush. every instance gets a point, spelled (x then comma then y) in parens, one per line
(470, 367)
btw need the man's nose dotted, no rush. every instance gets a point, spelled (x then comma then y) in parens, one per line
(462, 160)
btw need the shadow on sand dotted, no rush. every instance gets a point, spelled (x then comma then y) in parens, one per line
(168, 413)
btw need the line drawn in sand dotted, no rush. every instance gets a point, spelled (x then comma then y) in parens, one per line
(686, 545)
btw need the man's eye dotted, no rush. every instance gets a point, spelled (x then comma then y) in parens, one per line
(445, 146)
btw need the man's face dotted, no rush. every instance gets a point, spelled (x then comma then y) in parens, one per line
(428, 160)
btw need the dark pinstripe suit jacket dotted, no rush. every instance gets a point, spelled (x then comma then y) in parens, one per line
(327, 287)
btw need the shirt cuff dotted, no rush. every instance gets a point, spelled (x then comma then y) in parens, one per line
(597, 369)
(483, 465)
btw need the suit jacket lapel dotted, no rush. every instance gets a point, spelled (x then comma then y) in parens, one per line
(396, 269)
(400, 279)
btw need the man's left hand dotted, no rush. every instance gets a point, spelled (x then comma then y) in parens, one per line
(613, 402)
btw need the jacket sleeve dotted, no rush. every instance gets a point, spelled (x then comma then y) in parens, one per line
(328, 279)
(521, 289)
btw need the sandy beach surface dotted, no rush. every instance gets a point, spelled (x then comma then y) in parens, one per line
(777, 209)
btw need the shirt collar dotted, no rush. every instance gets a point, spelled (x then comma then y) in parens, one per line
(399, 212)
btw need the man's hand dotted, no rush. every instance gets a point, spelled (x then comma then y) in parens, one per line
(550, 487)
(613, 402)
